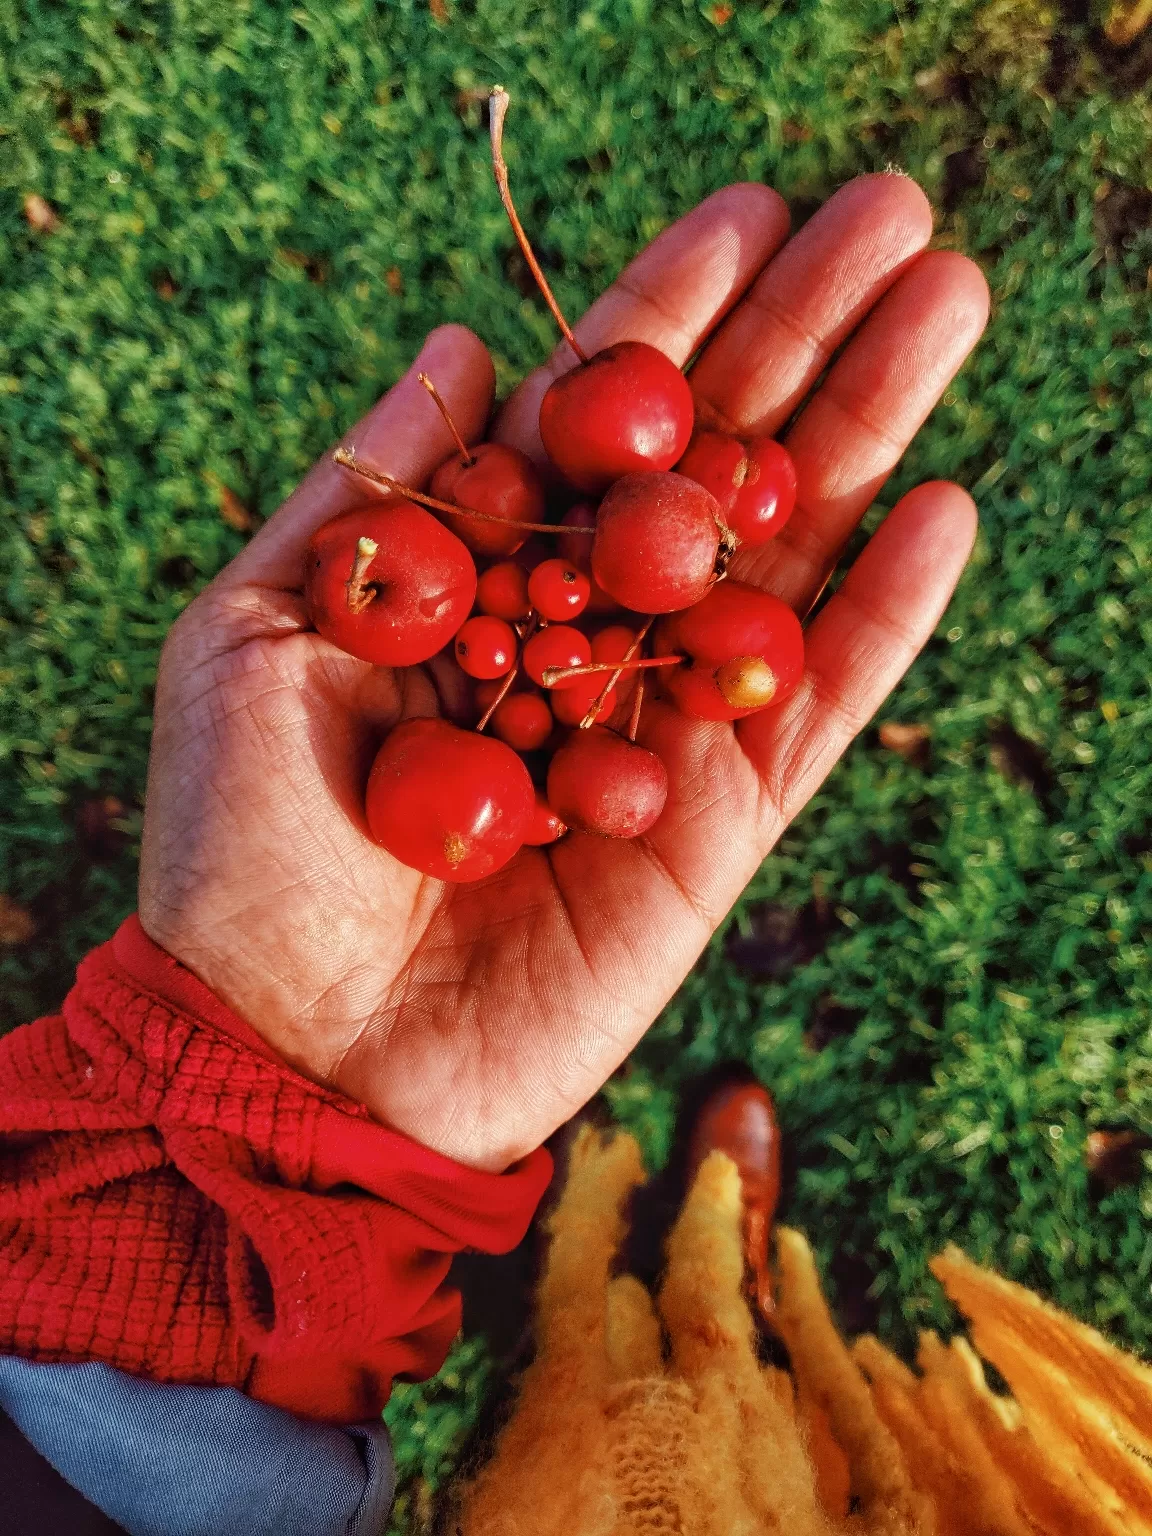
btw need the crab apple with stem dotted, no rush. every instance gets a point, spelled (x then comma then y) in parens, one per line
(600, 782)
(577, 548)
(559, 590)
(523, 721)
(502, 592)
(447, 802)
(572, 704)
(626, 408)
(557, 646)
(486, 647)
(657, 542)
(264, 730)
(388, 583)
(746, 649)
(754, 483)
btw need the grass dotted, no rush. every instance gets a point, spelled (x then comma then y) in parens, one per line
(264, 207)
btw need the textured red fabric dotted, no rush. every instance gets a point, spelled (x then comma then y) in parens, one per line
(177, 1202)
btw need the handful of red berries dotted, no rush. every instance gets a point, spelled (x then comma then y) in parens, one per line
(560, 646)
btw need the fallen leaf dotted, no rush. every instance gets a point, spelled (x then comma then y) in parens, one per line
(1126, 22)
(1114, 1157)
(911, 742)
(231, 508)
(721, 14)
(16, 925)
(438, 10)
(165, 285)
(395, 280)
(41, 215)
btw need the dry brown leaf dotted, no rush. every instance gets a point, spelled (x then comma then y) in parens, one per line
(1126, 22)
(395, 280)
(438, 10)
(16, 925)
(41, 215)
(231, 508)
(907, 741)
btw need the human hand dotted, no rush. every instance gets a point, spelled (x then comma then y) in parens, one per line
(477, 1018)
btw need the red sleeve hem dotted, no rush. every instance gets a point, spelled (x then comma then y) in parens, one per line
(178, 1202)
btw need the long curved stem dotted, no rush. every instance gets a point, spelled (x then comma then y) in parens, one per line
(465, 452)
(497, 107)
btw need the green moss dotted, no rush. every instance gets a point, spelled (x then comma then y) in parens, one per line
(236, 181)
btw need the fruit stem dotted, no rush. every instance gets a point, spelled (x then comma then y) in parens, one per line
(598, 704)
(465, 453)
(360, 593)
(553, 675)
(524, 635)
(637, 705)
(497, 107)
(350, 461)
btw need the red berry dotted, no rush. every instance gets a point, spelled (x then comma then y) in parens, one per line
(657, 540)
(753, 482)
(502, 591)
(413, 593)
(571, 704)
(545, 826)
(599, 782)
(747, 650)
(450, 803)
(627, 409)
(557, 646)
(501, 481)
(577, 547)
(558, 590)
(486, 647)
(523, 720)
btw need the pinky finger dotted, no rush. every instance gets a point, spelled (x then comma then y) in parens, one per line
(860, 646)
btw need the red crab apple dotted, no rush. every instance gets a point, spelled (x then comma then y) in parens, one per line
(754, 483)
(657, 542)
(746, 648)
(601, 782)
(388, 583)
(447, 802)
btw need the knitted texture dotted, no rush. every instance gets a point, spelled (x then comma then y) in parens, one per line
(177, 1202)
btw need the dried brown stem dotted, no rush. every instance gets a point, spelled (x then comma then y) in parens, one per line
(350, 461)
(637, 705)
(465, 452)
(359, 592)
(598, 704)
(509, 679)
(553, 675)
(497, 107)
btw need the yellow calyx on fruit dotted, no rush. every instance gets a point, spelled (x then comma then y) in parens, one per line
(747, 682)
(455, 849)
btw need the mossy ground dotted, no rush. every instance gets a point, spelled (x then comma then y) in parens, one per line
(264, 206)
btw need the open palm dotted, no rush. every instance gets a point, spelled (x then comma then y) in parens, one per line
(477, 1018)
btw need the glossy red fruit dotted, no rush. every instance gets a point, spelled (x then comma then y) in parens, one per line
(557, 646)
(501, 481)
(559, 590)
(577, 547)
(502, 591)
(486, 647)
(627, 409)
(523, 720)
(545, 827)
(754, 482)
(450, 803)
(415, 592)
(657, 540)
(571, 704)
(747, 650)
(599, 782)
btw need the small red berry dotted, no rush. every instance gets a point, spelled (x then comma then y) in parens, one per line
(523, 720)
(498, 480)
(502, 591)
(599, 782)
(753, 482)
(486, 647)
(657, 541)
(627, 409)
(747, 650)
(388, 583)
(558, 590)
(545, 826)
(577, 547)
(450, 803)
(557, 646)
(572, 703)
(613, 643)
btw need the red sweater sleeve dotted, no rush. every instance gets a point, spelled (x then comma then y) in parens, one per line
(177, 1202)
